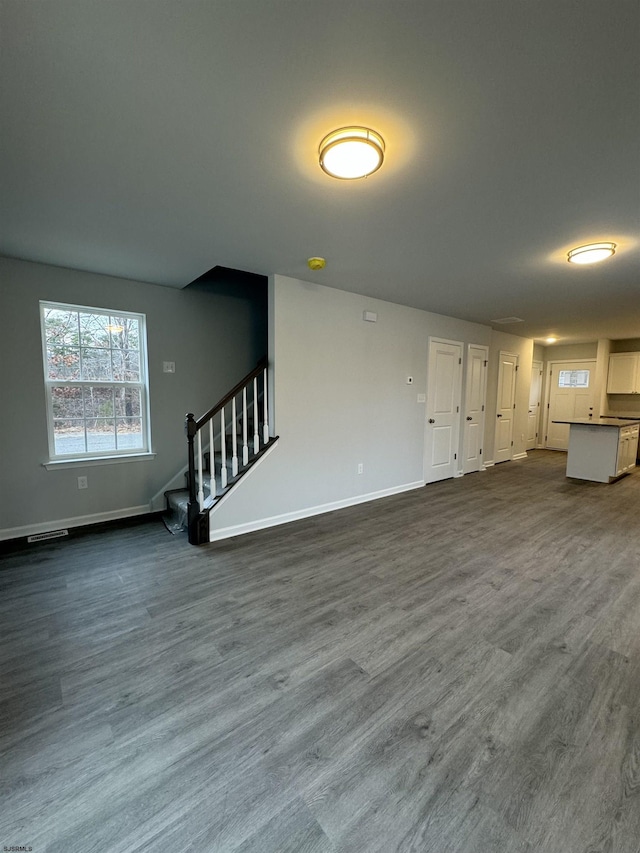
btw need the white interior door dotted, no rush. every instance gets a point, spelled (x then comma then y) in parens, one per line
(444, 378)
(474, 402)
(535, 391)
(570, 396)
(507, 375)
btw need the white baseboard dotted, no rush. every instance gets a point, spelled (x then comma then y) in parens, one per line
(78, 521)
(489, 464)
(308, 512)
(519, 456)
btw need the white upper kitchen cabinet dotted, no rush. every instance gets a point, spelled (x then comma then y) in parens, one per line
(624, 373)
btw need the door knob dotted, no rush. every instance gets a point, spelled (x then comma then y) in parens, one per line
(431, 421)
(498, 416)
(469, 418)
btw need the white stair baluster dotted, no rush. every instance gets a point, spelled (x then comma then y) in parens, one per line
(234, 439)
(200, 478)
(212, 461)
(245, 447)
(256, 424)
(265, 429)
(223, 450)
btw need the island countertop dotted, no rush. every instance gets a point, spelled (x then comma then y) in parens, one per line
(604, 422)
(601, 449)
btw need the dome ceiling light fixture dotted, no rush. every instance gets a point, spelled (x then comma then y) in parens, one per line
(591, 253)
(351, 152)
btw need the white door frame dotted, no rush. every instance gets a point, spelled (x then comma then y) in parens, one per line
(548, 368)
(516, 358)
(535, 362)
(464, 413)
(458, 402)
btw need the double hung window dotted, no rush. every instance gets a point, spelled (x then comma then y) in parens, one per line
(95, 368)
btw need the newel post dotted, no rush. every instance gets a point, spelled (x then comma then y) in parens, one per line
(193, 509)
(190, 431)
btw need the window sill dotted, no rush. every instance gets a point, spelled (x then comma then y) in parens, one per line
(90, 461)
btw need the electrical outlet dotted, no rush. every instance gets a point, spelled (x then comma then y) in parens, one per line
(168, 367)
(360, 468)
(83, 483)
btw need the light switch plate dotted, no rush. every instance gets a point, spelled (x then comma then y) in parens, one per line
(168, 367)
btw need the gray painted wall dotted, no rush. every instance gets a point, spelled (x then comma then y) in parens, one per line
(211, 338)
(569, 352)
(341, 398)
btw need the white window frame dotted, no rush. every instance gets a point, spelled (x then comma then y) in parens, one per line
(575, 384)
(142, 384)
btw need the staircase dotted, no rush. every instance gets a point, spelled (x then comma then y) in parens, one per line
(222, 446)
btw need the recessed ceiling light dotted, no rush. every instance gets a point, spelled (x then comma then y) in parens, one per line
(351, 152)
(592, 253)
(550, 340)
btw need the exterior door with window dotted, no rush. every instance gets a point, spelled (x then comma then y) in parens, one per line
(505, 410)
(444, 377)
(474, 402)
(570, 396)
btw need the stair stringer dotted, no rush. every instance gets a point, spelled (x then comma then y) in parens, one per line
(220, 501)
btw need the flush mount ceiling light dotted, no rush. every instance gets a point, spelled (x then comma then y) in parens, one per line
(351, 152)
(592, 253)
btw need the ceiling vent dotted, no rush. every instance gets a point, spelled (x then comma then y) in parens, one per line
(506, 321)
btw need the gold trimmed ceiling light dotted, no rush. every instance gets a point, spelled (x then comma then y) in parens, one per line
(351, 152)
(591, 253)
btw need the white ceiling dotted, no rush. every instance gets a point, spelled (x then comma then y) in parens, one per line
(155, 139)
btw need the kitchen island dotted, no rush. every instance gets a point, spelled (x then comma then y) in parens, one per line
(601, 449)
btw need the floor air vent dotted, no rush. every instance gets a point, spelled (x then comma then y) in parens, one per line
(52, 534)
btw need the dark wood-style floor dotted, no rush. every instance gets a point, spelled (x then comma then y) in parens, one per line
(451, 670)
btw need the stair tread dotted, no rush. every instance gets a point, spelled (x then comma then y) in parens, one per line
(178, 499)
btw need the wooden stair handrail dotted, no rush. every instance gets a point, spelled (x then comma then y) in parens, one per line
(201, 421)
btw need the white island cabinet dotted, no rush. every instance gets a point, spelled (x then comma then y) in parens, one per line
(601, 449)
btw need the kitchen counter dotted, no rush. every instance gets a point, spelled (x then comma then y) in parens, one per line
(601, 449)
(606, 422)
